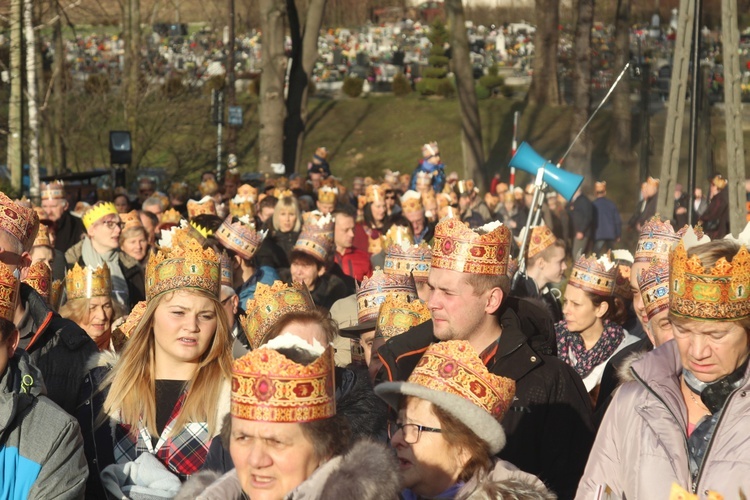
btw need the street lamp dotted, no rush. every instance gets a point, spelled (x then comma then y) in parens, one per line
(120, 154)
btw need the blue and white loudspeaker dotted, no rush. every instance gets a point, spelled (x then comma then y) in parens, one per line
(564, 182)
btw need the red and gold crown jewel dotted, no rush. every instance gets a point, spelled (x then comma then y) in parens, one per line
(269, 387)
(8, 293)
(239, 235)
(87, 282)
(271, 303)
(206, 205)
(131, 219)
(373, 290)
(97, 212)
(484, 250)
(541, 239)
(133, 319)
(411, 203)
(408, 260)
(170, 216)
(327, 194)
(653, 283)
(398, 315)
(597, 276)
(182, 262)
(656, 240)
(375, 193)
(316, 237)
(18, 221)
(39, 277)
(454, 367)
(227, 273)
(55, 190)
(209, 187)
(42, 237)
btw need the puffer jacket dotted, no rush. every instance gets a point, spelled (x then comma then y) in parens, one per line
(641, 448)
(42, 449)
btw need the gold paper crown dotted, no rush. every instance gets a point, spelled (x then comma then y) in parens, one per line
(179, 190)
(87, 282)
(374, 193)
(206, 205)
(398, 315)
(240, 206)
(651, 181)
(595, 276)
(227, 273)
(39, 277)
(42, 237)
(95, 213)
(271, 303)
(657, 239)
(269, 387)
(316, 237)
(411, 202)
(55, 295)
(131, 219)
(135, 316)
(424, 178)
(328, 194)
(208, 187)
(465, 186)
(719, 181)
(18, 221)
(282, 193)
(203, 231)
(53, 191)
(182, 263)
(481, 251)
(540, 240)
(373, 290)
(653, 283)
(239, 235)
(430, 149)
(247, 192)
(408, 260)
(719, 294)
(8, 293)
(170, 216)
(398, 235)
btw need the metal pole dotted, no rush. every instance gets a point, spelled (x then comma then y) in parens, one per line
(695, 89)
(514, 147)
(645, 117)
(231, 101)
(220, 121)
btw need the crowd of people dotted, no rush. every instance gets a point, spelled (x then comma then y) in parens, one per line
(296, 338)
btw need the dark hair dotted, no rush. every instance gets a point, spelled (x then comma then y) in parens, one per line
(344, 209)
(316, 316)
(458, 435)
(149, 215)
(616, 312)
(121, 195)
(6, 328)
(369, 220)
(267, 202)
(304, 258)
(329, 436)
(209, 221)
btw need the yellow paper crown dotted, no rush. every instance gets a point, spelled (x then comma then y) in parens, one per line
(280, 193)
(411, 202)
(95, 213)
(373, 290)
(271, 303)
(247, 192)
(398, 315)
(328, 194)
(481, 251)
(8, 293)
(269, 387)
(424, 178)
(53, 191)
(203, 231)
(653, 283)
(408, 260)
(39, 277)
(181, 262)
(374, 193)
(657, 239)
(131, 219)
(595, 276)
(87, 282)
(239, 235)
(398, 235)
(206, 205)
(42, 237)
(18, 221)
(170, 216)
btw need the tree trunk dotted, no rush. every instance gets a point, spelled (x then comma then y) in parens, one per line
(271, 110)
(545, 88)
(133, 70)
(621, 147)
(231, 100)
(58, 99)
(579, 160)
(304, 55)
(471, 127)
(28, 22)
(15, 112)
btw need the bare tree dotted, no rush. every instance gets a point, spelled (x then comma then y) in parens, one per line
(15, 112)
(579, 160)
(544, 88)
(132, 80)
(272, 112)
(621, 148)
(31, 88)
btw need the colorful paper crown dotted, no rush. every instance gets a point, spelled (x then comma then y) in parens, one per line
(411, 202)
(653, 283)
(656, 240)
(239, 235)
(408, 260)
(269, 387)
(87, 282)
(206, 205)
(316, 237)
(271, 303)
(373, 290)
(622, 282)
(19, 221)
(170, 216)
(135, 316)
(8, 293)
(39, 277)
(240, 206)
(227, 273)
(53, 191)
(594, 276)
(328, 194)
(375, 193)
(484, 250)
(130, 220)
(181, 262)
(209, 187)
(42, 237)
(719, 294)
(398, 315)
(97, 212)
(541, 239)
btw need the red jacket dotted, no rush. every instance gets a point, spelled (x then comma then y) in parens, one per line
(355, 263)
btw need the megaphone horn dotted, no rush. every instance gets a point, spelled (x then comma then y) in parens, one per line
(564, 182)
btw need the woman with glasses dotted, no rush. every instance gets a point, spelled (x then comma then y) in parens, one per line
(101, 245)
(447, 430)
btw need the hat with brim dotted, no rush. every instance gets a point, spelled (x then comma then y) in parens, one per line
(472, 416)
(355, 331)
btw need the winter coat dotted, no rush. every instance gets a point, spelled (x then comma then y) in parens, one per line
(271, 254)
(526, 287)
(263, 274)
(328, 290)
(641, 448)
(608, 220)
(354, 263)
(58, 347)
(582, 216)
(68, 231)
(438, 175)
(42, 450)
(549, 426)
(716, 217)
(480, 485)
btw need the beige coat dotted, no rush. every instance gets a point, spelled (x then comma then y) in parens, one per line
(641, 447)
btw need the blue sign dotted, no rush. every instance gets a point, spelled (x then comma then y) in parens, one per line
(235, 116)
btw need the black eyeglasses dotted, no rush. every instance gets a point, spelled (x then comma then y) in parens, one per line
(412, 432)
(111, 224)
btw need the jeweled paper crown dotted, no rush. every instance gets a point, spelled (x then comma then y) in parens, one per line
(374, 193)
(209, 187)
(170, 216)
(131, 219)
(653, 283)
(39, 277)
(53, 191)
(135, 316)
(88, 282)
(327, 194)
(181, 262)
(408, 260)
(239, 235)
(242, 205)
(597, 276)
(271, 303)
(8, 293)
(227, 273)
(484, 250)
(411, 202)
(373, 290)
(269, 387)
(398, 315)
(97, 212)
(316, 237)
(541, 239)
(656, 240)
(18, 221)
(206, 205)
(454, 367)
(430, 149)
(42, 237)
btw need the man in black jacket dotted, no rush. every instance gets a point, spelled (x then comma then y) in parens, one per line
(582, 222)
(549, 426)
(68, 229)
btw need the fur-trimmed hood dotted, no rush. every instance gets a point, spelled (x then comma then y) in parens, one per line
(623, 371)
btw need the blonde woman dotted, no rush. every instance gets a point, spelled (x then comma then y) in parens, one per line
(167, 394)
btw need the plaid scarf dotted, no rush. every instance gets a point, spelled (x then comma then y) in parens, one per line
(571, 349)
